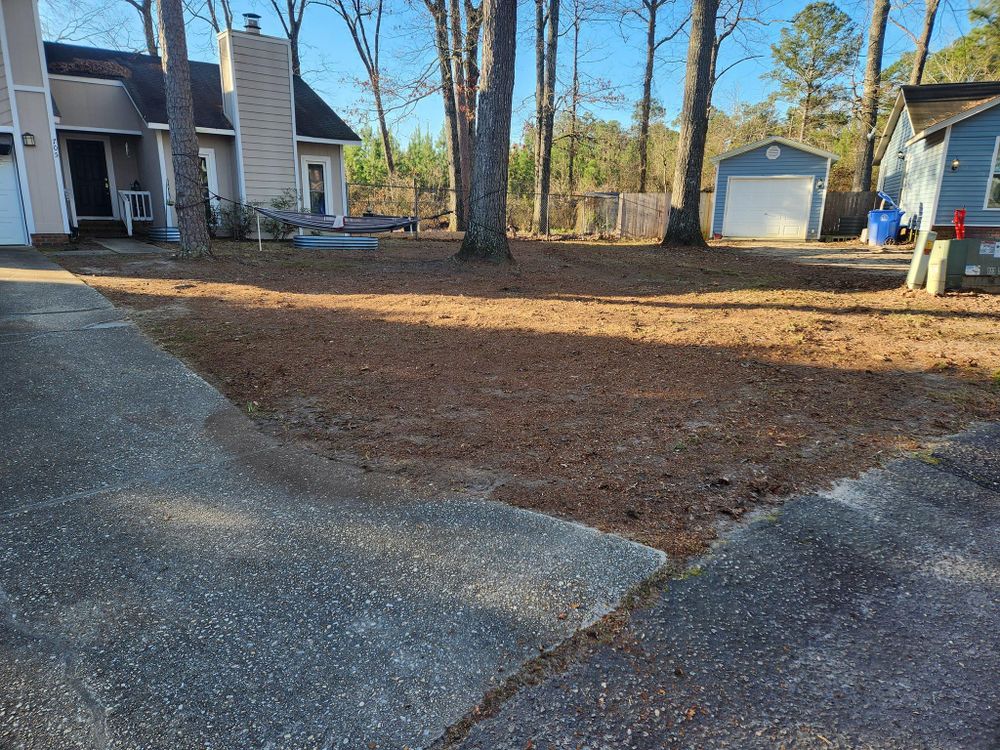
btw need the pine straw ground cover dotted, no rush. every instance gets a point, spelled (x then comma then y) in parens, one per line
(640, 391)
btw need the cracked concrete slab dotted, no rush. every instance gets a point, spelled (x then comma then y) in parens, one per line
(169, 578)
(865, 617)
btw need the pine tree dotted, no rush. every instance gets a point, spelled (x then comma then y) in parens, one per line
(810, 59)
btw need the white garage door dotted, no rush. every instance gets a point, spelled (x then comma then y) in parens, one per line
(11, 219)
(768, 207)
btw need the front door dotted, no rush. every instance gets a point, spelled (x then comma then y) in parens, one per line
(88, 166)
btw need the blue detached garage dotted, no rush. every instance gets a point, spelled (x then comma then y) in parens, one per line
(771, 189)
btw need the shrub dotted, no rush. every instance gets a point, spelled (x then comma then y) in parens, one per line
(237, 221)
(287, 201)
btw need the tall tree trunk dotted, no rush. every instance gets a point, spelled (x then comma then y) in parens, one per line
(359, 18)
(806, 107)
(439, 13)
(545, 94)
(148, 29)
(684, 224)
(486, 238)
(473, 27)
(293, 35)
(647, 93)
(461, 93)
(869, 101)
(923, 43)
(383, 129)
(574, 101)
(146, 11)
(189, 199)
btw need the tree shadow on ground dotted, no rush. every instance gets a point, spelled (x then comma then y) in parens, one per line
(649, 439)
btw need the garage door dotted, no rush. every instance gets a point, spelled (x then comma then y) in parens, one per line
(768, 207)
(11, 219)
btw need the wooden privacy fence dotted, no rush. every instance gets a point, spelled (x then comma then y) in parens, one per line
(633, 214)
(846, 204)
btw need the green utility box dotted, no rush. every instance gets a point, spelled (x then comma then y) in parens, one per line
(964, 264)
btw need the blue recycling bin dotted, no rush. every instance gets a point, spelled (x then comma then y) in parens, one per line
(883, 226)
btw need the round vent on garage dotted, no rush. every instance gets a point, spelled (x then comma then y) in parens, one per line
(773, 153)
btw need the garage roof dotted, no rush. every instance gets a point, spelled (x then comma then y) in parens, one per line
(779, 140)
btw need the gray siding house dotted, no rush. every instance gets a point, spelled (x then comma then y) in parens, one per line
(771, 189)
(84, 139)
(939, 153)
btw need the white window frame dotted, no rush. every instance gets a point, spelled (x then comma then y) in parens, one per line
(208, 154)
(327, 163)
(64, 153)
(993, 170)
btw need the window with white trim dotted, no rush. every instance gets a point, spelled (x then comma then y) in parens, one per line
(316, 177)
(993, 189)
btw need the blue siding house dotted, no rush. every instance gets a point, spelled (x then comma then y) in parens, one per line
(771, 189)
(939, 153)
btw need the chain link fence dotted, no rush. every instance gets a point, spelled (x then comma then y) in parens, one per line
(594, 214)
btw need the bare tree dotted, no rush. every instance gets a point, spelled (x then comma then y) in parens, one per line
(733, 19)
(145, 10)
(465, 21)
(216, 13)
(583, 88)
(188, 203)
(869, 100)
(105, 23)
(684, 225)
(649, 13)
(923, 42)
(574, 92)
(357, 15)
(291, 21)
(486, 237)
(546, 42)
(445, 59)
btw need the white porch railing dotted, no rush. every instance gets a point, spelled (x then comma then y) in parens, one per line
(137, 205)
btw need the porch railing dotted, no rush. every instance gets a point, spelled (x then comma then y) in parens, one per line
(137, 205)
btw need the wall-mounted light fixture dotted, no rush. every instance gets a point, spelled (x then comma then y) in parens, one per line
(28, 139)
(900, 154)
(955, 164)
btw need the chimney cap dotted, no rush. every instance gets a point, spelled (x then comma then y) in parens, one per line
(252, 22)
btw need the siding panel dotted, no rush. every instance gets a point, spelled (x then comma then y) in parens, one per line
(890, 177)
(755, 163)
(6, 117)
(265, 113)
(972, 142)
(920, 179)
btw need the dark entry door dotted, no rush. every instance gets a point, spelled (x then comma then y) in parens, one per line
(89, 169)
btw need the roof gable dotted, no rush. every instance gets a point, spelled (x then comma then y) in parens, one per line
(142, 77)
(775, 139)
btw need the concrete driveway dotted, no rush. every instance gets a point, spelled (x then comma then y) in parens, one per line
(866, 617)
(854, 256)
(170, 578)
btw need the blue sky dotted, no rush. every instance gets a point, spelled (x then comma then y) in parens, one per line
(614, 54)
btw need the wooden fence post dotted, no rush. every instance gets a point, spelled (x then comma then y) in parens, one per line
(621, 215)
(416, 209)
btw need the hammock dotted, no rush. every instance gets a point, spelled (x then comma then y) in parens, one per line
(346, 224)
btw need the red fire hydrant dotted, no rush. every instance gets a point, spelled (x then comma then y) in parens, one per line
(959, 223)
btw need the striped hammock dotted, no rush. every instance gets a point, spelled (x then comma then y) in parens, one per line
(345, 224)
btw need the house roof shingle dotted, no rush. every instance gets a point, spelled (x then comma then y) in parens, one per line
(142, 77)
(932, 103)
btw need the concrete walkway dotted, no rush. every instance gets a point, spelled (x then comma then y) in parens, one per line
(866, 617)
(171, 579)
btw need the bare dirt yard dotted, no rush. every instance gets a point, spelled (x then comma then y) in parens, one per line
(638, 390)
